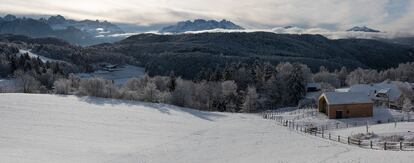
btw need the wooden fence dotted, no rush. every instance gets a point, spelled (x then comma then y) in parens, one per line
(323, 132)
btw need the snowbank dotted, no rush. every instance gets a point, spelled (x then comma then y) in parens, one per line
(51, 128)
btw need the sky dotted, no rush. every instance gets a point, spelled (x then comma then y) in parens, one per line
(388, 15)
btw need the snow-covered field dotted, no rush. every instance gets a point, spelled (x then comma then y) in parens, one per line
(120, 76)
(405, 129)
(52, 128)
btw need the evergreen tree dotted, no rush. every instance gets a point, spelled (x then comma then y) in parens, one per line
(172, 82)
(296, 85)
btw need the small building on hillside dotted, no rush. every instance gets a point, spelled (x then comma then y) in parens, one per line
(338, 105)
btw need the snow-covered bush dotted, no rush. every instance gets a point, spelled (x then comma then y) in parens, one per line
(98, 87)
(62, 86)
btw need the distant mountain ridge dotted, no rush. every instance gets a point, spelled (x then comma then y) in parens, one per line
(85, 32)
(362, 29)
(93, 27)
(199, 25)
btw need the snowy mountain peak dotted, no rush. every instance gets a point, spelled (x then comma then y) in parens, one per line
(58, 19)
(362, 29)
(199, 25)
(9, 17)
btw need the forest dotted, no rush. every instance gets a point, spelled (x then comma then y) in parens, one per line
(234, 85)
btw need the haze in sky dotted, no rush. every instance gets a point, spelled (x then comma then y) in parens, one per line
(390, 15)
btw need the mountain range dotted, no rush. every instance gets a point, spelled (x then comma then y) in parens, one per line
(199, 25)
(85, 32)
(362, 29)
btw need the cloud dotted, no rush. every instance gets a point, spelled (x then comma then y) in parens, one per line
(330, 34)
(389, 15)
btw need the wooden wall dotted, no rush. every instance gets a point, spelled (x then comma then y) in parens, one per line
(351, 110)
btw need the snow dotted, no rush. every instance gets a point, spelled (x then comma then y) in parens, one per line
(381, 129)
(119, 76)
(390, 87)
(52, 128)
(335, 98)
(33, 55)
(342, 90)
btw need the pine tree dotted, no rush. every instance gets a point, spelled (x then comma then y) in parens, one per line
(296, 85)
(172, 82)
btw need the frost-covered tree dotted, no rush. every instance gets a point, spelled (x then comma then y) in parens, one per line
(250, 100)
(98, 87)
(183, 93)
(26, 83)
(342, 76)
(62, 86)
(327, 77)
(296, 86)
(172, 83)
(230, 96)
(150, 93)
(273, 92)
(407, 108)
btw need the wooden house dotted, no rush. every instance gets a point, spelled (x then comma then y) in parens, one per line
(338, 105)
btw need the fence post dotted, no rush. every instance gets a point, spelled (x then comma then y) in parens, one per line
(401, 147)
(337, 125)
(370, 143)
(348, 141)
(359, 142)
(329, 136)
(346, 125)
(339, 138)
(385, 145)
(322, 132)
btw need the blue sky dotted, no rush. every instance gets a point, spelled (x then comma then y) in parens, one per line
(390, 15)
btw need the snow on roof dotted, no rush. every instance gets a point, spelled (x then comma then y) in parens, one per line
(334, 98)
(342, 90)
(385, 91)
(389, 87)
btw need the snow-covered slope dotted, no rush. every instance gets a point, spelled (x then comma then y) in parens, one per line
(51, 128)
(32, 55)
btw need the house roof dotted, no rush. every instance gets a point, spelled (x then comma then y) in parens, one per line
(313, 85)
(335, 98)
(390, 88)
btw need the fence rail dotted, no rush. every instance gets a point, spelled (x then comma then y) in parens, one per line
(323, 132)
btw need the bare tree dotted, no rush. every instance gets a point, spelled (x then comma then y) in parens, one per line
(26, 82)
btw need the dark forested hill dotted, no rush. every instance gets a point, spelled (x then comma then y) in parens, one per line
(187, 54)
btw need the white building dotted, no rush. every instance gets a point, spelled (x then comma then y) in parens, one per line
(387, 93)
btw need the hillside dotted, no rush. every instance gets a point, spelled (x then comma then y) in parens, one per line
(163, 53)
(50, 128)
